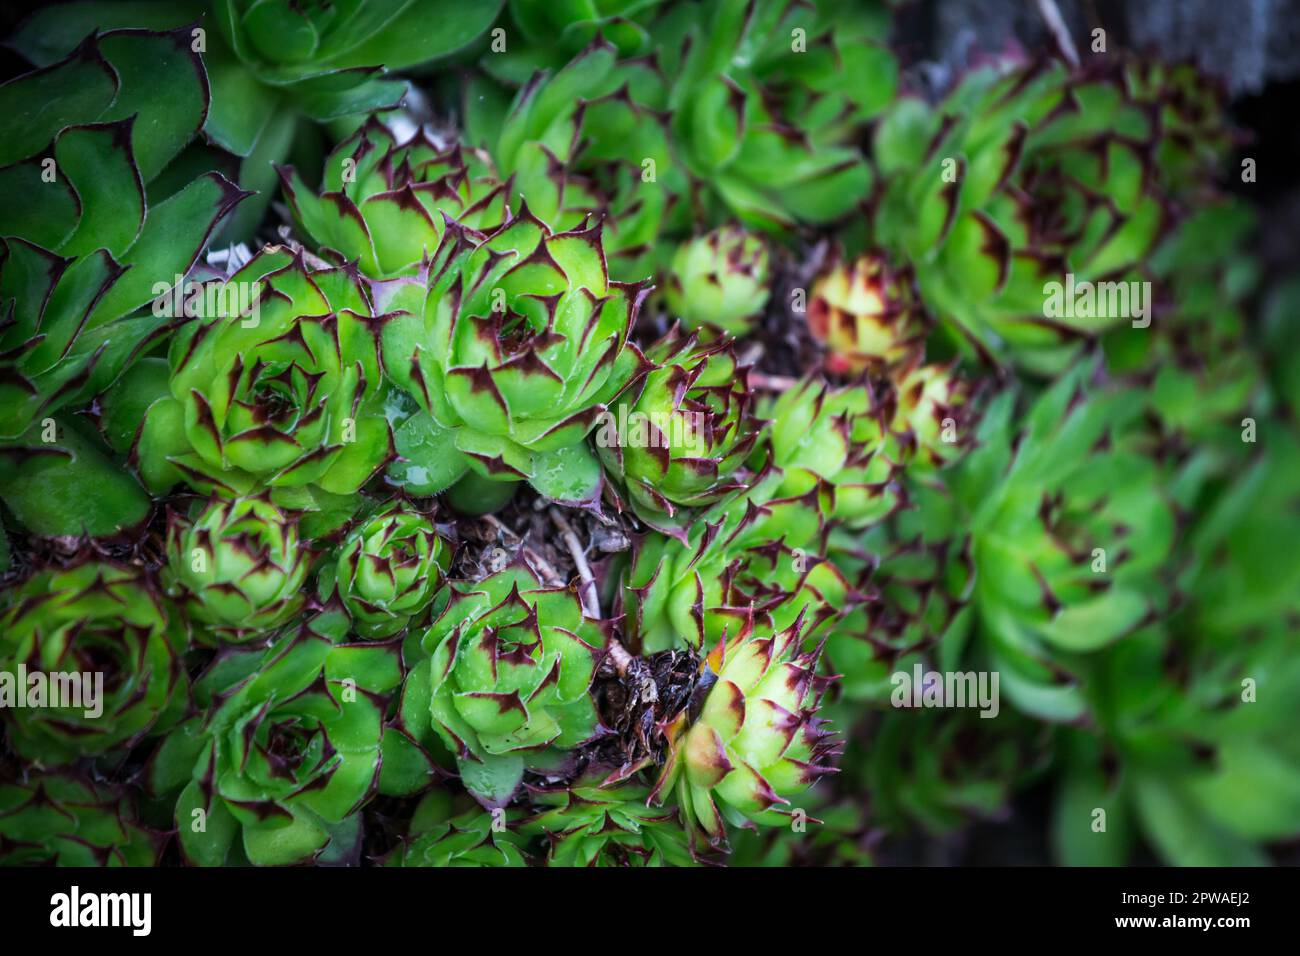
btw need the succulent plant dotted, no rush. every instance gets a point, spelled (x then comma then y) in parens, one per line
(96, 645)
(1071, 534)
(83, 247)
(386, 206)
(284, 748)
(277, 67)
(834, 441)
(999, 203)
(719, 281)
(867, 315)
(590, 824)
(389, 569)
(756, 741)
(275, 385)
(680, 441)
(933, 414)
(750, 554)
(915, 568)
(60, 819)
(469, 838)
(745, 111)
(541, 36)
(506, 680)
(522, 344)
(237, 568)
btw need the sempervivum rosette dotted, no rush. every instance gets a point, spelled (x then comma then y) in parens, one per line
(388, 570)
(506, 683)
(933, 415)
(681, 441)
(237, 568)
(385, 205)
(728, 120)
(1071, 534)
(283, 749)
(834, 440)
(440, 837)
(102, 630)
(285, 393)
(590, 823)
(277, 66)
(750, 554)
(521, 345)
(60, 819)
(756, 740)
(1015, 182)
(719, 280)
(867, 315)
(81, 250)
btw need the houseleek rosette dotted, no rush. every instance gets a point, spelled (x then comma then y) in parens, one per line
(388, 570)
(719, 280)
(1071, 534)
(933, 414)
(441, 837)
(60, 819)
(105, 623)
(752, 554)
(747, 111)
(867, 315)
(81, 245)
(385, 205)
(756, 741)
(276, 67)
(284, 748)
(1033, 177)
(284, 394)
(237, 568)
(513, 358)
(592, 823)
(916, 569)
(681, 441)
(506, 682)
(834, 441)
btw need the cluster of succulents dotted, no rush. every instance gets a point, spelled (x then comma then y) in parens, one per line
(507, 434)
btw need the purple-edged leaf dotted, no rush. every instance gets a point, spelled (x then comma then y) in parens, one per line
(36, 105)
(175, 233)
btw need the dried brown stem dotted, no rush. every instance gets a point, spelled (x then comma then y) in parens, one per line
(588, 592)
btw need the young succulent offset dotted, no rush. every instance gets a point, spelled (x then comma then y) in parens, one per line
(756, 741)
(750, 554)
(866, 314)
(386, 205)
(681, 441)
(388, 570)
(237, 568)
(719, 281)
(933, 416)
(106, 628)
(505, 685)
(834, 441)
